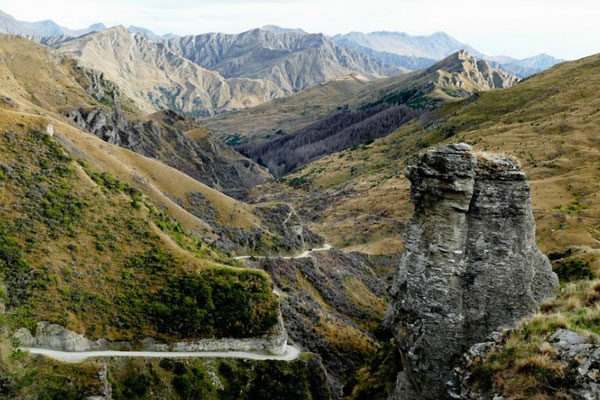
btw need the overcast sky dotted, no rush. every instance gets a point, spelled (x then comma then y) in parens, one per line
(520, 28)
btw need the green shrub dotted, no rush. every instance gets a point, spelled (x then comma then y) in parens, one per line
(560, 254)
(134, 385)
(193, 384)
(298, 182)
(155, 260)
(217, 301)
(572, 270)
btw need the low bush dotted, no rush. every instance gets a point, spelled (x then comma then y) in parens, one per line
(215, 302)
(571, 270)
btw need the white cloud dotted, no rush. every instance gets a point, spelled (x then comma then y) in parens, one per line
(564, 28)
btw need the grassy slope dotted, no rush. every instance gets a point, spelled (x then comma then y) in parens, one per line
(72, 246)
(548, 122)
(303, 108)
(289, 113)
(81, 249)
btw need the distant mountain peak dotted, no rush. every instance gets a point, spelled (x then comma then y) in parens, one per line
(97, 27)
(281, 30)
(397, 48)
(464, 71)
(41, 29)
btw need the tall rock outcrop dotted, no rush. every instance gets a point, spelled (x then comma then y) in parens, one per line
(470, 266)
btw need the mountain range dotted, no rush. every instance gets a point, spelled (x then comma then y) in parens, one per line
(401, 49)
(455, 77)
(394, 49)
(207, 74)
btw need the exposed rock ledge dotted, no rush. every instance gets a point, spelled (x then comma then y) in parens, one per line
(56, 337)
(470, 266)
(580, 362)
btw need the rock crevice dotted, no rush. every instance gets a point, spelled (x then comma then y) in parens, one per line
(470, 266)
(56, 337)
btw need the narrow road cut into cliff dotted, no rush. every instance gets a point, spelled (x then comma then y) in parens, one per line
(291, 353)
(304, 254)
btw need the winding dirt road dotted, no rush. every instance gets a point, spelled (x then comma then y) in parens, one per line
(304, 254)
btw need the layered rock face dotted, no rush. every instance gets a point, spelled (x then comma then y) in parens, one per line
(204, 159)
(470, 266)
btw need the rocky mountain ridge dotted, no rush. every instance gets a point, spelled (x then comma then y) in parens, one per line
(293, 61)
(155, 77)
(391, 46)
(207, 74)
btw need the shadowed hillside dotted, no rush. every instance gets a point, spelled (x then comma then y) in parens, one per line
(331, 134)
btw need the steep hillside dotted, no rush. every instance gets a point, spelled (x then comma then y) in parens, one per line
(333, 303)
(547, 121)
(165, 379)
(453, 78)
(331, 134)
(286, 114)
(162, 136)
(292, 61)
(77, 240)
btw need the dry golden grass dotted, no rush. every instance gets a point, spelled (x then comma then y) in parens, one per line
(289, 113)
(43, 83)
(198, 133)
(363, 298)
(548, 122)
(32, 74)
(344, 336)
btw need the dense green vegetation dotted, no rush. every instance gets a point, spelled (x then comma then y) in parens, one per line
(215, 302)
(82, 249)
